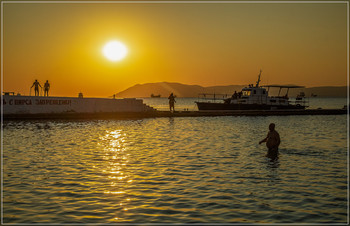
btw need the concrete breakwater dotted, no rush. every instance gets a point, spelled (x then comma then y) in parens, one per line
(32, 105)
(158, 114)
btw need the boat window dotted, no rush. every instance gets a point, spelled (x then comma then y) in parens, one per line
(263, 91)
(246, 93)
(254, 91)
(273, 101)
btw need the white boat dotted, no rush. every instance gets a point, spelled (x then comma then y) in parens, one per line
(254, 98)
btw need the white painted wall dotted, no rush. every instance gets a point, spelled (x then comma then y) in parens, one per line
(36, 105)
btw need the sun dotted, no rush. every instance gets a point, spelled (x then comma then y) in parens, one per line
(114, 51)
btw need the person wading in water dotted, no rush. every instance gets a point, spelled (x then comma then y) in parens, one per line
(272, 142)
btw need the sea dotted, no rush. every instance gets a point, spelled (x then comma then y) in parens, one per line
(182, 170)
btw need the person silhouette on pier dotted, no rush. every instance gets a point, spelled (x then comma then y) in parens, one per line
(172, 102)
(272, 142)
(36, 85)
(235, 95)
(46, 88)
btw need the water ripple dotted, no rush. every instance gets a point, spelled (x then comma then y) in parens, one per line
(181, 170)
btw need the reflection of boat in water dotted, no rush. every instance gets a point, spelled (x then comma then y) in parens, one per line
(155, 96)
(253, 98)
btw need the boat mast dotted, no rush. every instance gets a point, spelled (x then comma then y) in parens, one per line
(257, 82)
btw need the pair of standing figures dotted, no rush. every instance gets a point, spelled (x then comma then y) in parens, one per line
(36, 85)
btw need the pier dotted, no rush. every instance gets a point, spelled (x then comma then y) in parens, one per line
(162, 114)
(37, 108)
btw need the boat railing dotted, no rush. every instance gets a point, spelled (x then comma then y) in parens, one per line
(280, 97)
(302, 101)
(213, 96)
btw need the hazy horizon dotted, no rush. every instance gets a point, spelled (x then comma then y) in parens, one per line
(261, 84)
(206, 44)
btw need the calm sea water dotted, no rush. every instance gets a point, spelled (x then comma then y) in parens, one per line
(175, 170)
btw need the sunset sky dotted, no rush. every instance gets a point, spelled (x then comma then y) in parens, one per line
(192, 43)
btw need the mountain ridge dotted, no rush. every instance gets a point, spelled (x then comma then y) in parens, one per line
(184, 90)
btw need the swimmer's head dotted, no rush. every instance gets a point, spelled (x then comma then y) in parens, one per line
(272, 126)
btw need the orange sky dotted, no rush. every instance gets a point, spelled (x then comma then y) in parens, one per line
(193, 43)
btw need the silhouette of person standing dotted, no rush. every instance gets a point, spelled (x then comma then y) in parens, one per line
(36, 85)
(272, 142)
(46, 88)
(172, 102)
(235, 95)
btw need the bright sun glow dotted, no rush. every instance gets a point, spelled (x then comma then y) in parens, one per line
(115, 51)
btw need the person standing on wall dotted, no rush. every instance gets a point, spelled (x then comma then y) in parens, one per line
(36, 85)
(46, 88)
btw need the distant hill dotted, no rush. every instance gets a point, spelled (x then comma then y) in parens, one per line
(321, 91)
(327, 91)
(182, 90)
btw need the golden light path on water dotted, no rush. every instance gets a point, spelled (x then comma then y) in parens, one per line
(116, 160)
(175, 170)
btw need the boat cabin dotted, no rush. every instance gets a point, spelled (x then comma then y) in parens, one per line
(246, 92)
(260, 95)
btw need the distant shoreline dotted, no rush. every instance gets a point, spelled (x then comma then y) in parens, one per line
(182, 90)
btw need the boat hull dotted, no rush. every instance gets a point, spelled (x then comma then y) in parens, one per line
(212, 106)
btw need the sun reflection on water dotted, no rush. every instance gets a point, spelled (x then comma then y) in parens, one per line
(114, 139)
(114, 168)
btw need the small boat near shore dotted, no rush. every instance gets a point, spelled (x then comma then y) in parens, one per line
(155, 96)
(253, 98)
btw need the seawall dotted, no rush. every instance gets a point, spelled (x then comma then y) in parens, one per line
(31, 105)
